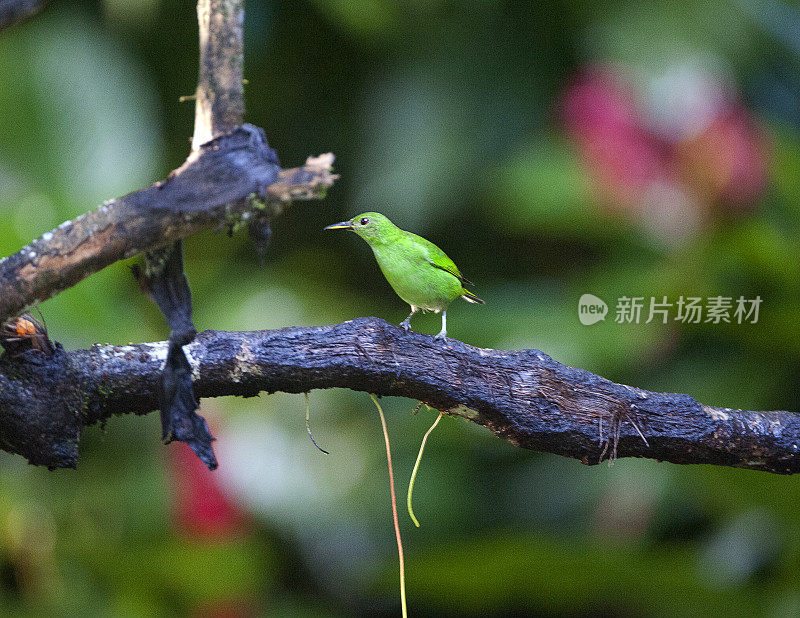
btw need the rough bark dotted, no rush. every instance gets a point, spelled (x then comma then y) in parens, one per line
(226, 181)
(219, 108)
(524, 397)
(219, 104)
(210, 190)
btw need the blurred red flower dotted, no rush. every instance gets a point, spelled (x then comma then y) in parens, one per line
(712, 162)
(201, 509)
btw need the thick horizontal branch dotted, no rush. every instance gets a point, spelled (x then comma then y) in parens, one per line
(213, 188)
(308, 182)
(524, 397)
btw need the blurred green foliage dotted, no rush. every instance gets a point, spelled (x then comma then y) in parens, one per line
(447, 116)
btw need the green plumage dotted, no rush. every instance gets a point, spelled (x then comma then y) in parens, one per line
(419, 271)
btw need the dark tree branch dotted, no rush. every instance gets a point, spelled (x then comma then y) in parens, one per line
(219, 109)
(524, 397)
(13, 11)
(210, 190)
(219, 103)
(226, 181)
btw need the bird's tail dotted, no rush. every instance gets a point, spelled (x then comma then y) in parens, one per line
(470, 297)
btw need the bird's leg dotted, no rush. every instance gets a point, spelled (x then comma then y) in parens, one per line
(443, 333)
(406, 324)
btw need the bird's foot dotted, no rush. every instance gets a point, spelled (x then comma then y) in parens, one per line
(405, 325)
(441, 335)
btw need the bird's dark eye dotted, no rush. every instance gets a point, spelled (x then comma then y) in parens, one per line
(364, 221)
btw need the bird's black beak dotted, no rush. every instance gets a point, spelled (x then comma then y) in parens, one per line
(344, 225)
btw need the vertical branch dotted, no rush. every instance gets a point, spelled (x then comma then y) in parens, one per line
(220, 95)
(219, 106)
(219, 109)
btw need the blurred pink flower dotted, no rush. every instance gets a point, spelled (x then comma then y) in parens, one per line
(622, 158)
(712, 163)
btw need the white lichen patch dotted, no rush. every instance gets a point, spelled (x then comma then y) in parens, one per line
(194, 362)
(246, 364)
(640, 393)
(47, 236)
(156, 351)
(718, 414)
(524, 379)
(764, 422)
(322, 163)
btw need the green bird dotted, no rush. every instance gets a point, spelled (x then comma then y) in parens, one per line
(419, 271)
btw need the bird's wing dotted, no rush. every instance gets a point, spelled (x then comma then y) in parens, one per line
(451, 268)
(438, 259)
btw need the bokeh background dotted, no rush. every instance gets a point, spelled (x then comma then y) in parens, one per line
(618, 148)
